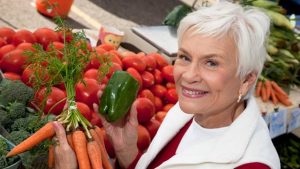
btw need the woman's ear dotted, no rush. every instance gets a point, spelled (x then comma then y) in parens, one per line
(248, 82)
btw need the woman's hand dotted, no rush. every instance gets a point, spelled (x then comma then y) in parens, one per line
(123, 135)
(64, 155)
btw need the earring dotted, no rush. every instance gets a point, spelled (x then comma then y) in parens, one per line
(240, 97)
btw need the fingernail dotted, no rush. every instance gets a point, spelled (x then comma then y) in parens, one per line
(55, 124)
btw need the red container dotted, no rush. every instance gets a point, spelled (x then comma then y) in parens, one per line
(53, 8)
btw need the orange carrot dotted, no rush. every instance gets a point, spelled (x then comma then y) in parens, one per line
(51, 157)
(273, 97)
(283, 99)
(105, 158)
(94, 154)
(70, 140)
(258, 88)
(47, 131)
(264, 93)
(104, 154)
(278, 89)
(80, 147)
(100, 134)
(95, 136)
(268, 89)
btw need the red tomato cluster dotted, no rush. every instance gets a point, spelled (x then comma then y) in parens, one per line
(156, 95)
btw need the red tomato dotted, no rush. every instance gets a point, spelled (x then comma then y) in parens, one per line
(148, 79)
(45, 36)
(14, 61)
(94, 62)
(167, 73)
(150, 62)
(170, 85)
(96, 119)
(171, 96)
(108, 146)
(100, 51)
(52, 99)
(127, 53)
(106, 47)
(157, 76)
(84, 110)
(160, 60)
(87, 93)
(26, 46)
(7, 34)
(159, 90)
(2, 42)
(167, 107)
(5, 49)
(152, 127)
(141, 54)
(116, 53)
(114, 58)
(58, 47)
(160, 116)
(61, 86)
(101, 58)
(28, 76)
(147, 94)
(23, 36)
(158, 103)
(65, 35)
(91, 74)
(11, 76)
(135, 62)
(134, 73)
(85, 44)
(143, 138)
(104, 80)
(113, 68)
(145, 110)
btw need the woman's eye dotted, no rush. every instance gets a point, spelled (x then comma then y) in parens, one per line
(212, 63)
(183, 57)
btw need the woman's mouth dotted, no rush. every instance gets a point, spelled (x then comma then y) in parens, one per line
(193, 93)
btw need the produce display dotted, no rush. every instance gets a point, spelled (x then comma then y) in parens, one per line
(288, 148)
(55, 75)
(5, 146)
(283, 47)
(19, 120)
(63, 73)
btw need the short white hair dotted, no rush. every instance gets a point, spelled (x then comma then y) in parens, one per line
(248, 26)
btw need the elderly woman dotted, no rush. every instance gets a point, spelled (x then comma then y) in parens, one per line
(216, 122)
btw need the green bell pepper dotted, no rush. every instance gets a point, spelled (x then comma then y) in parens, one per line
(118, 96)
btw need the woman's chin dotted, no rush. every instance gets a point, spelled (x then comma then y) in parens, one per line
(188, 107)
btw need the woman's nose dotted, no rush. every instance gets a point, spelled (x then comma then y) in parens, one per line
(191, 74)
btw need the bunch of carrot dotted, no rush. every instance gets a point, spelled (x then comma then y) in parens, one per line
(270, 90)
(89, 147)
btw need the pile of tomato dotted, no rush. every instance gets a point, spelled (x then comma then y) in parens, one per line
(157, 92)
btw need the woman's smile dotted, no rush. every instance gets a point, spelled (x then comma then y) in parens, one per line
(193, 93)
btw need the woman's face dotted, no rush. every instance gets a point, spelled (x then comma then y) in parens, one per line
(205, 75)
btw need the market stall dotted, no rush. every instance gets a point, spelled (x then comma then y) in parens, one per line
(146, 53)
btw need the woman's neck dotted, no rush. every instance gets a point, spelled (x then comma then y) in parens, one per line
(222, 119)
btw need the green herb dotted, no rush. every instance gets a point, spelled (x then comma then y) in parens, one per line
(51, 70)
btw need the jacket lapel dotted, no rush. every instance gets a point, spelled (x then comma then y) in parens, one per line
(227, 149)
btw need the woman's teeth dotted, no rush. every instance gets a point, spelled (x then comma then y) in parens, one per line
(193, 93)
